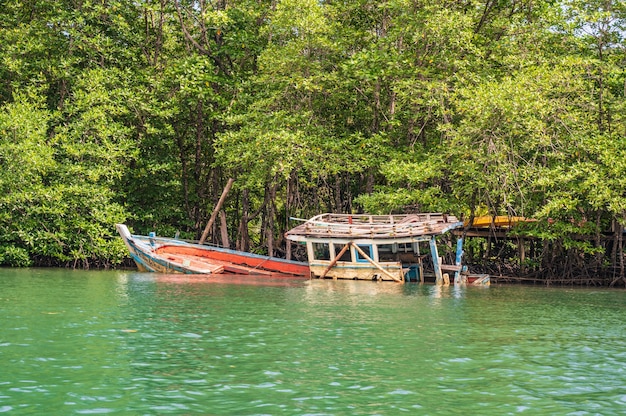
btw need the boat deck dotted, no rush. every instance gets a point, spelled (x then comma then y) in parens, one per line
(193, 263)
(204, 265)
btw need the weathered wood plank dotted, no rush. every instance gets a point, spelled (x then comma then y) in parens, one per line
(378, 266)
(335, 260)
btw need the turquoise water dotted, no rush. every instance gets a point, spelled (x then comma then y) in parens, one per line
(74, 342)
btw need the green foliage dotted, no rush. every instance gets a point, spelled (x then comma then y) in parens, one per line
(14, 257)
(55, 210)
(140, 111)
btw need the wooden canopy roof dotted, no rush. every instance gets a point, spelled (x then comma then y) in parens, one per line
(373, 226)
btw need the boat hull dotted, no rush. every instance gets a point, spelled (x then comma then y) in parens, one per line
(164, 255)
(357, 271)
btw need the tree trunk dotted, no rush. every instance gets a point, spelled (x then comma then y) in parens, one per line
(522, 255)
(243, 242)
(224, 229)
(182, 154)
(270, 220)
(338, 193)
(288, 201)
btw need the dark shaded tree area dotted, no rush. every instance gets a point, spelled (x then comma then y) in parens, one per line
(139, 112)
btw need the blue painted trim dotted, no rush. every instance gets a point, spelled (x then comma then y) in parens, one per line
(139, 261)
(459, 258)
(146, 261)
(169, 267)
(452, 226)
(435, 255)
(358, 255)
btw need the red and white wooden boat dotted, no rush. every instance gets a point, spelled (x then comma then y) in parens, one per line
(169, 255)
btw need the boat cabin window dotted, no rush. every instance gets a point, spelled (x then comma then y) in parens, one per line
(321, 251)
(367, 249)
(388, 252)
(346, 256)
(408, 248)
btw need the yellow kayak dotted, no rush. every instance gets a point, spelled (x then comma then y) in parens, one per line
(497, 221)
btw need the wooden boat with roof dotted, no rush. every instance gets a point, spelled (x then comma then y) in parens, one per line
(170, 255)
(379, 247)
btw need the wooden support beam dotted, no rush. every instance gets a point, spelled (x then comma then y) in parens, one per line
(216, 210)
(458, 279)
(436, 264)
(378, 266)
(335, 260)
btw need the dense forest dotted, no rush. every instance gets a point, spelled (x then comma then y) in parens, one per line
(141, 111)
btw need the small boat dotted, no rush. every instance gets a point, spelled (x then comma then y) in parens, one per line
(379, 247)
(170, 255)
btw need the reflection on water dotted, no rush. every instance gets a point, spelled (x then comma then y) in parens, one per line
(318, 287)
(249, 280)
(134, 343)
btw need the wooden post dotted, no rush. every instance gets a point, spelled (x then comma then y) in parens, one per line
(458, 279)
(216, 210)
(436, 264)
(335, 260)
(420, 266)
(378, 266)
(224, 229)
